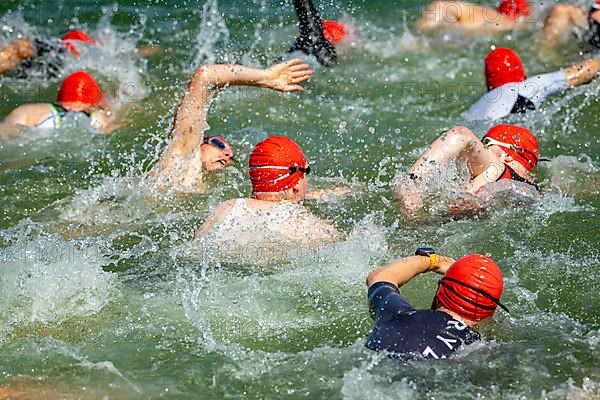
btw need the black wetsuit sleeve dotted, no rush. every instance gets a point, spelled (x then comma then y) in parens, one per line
(310, 40)
(385, 301)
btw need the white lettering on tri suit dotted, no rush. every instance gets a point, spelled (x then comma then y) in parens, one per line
(446, 341)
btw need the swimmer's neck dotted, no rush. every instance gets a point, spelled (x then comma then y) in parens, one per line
(468, 322)
(276, 197)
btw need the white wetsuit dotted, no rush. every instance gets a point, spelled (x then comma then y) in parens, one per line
(517, 97)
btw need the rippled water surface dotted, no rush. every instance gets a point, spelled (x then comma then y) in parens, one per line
(103, 292)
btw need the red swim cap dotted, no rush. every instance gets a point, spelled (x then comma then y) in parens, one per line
(76, 36)
(334, 32)
(525, 148)
(514, 8)
(79, 87)
(461, 290)
(503, 66)
(596, 5)
(270, 161)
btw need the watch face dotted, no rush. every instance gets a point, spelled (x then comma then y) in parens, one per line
(425, 251)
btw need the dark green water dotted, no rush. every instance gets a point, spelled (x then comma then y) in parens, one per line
(102, 292)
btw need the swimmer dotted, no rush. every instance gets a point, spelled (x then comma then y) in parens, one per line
(318, 37)
(187, 157)
(511, 92)
(23, 55)
(468, 293)
(507, 152)
(568, 18)
(474, 18)
(79, 93)
(279, 175)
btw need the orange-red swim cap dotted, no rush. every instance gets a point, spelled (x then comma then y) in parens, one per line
(273, 164)
(79, 87)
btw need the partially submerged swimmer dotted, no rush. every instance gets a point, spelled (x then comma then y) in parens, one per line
(79, 93)
(24, 55)
(279, 174)
(468, 293)
(507, 152)
(474, 18)
(511, 92)
(318, 37)
(566, 18)
(187, 158)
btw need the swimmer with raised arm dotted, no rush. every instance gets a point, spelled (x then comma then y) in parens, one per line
(474, 18)
(566, 18)
(318, 37)
(79, 93)
(187, 158)
(279, 174)
(468, 292)
(511, 92)
(507, 152)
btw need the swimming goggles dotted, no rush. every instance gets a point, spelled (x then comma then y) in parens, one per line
(442, 282)
(292, 170)
(488, 141)
(215, 142)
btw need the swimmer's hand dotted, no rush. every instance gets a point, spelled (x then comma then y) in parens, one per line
(324, 194)
(286, 77)
(443, 263)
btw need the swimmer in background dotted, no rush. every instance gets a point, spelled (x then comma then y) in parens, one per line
(474, 18)
(23, 55)
(317, 37)
(187, 157)
(506, 152)
(468, 293)
(565, 18)
(279, 175)
(511, 92)
(79, 93)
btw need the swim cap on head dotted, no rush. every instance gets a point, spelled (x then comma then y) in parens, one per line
(503, 66)
(334, 32)
(514, 8)
(79, 87)
(76, 36)
(462, 288)
(596, 5)
(270, 161)
(525, 148)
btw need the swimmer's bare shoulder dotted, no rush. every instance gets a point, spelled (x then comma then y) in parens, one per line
(28, 115)
(216, 217)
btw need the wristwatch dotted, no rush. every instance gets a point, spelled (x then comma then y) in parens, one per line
(428, 252)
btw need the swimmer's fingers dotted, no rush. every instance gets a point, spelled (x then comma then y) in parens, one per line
(293, 88)
(301, 76)
(299, 67)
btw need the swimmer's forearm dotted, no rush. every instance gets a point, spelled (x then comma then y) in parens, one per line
(400, 271)
(583, 72)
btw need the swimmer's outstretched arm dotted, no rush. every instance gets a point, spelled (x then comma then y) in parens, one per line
(583, 72)
(12, 55)
(190, 119)
(403, 270)
(180, 164)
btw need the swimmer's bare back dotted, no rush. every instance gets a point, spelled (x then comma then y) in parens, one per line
(180, 165)
(299, 222)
